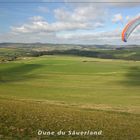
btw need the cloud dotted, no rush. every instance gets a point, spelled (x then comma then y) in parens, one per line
(81, 14)
(93, 37)
(82, 37)
(37, 26)
(36, 18)
(114, 3)
(106, 37)
(29, 38)
(79, 18)
(73, 23)
(117, 18)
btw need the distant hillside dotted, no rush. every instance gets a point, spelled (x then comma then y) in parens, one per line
(11, 51)
(66, 45)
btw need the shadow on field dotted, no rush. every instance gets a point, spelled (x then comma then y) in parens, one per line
(18, 73)
(132, 76)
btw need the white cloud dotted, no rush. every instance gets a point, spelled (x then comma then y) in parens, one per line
(115, 3)
(29, 38)
(82, 37)
(36, 18)
(81, 13)
(115, 34)
(110, 37)
(117, 18)
(44, 26)
(80, 18)
(76, 24)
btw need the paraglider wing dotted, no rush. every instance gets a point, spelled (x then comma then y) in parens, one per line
(130, 28)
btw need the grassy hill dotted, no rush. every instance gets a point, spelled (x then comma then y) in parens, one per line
(69, 93)
(12, 51)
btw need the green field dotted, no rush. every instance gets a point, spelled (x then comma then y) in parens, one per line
(70, 93)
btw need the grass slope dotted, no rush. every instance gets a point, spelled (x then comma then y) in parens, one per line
(79, 93)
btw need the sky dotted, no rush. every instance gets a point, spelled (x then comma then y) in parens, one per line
(67, 21)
